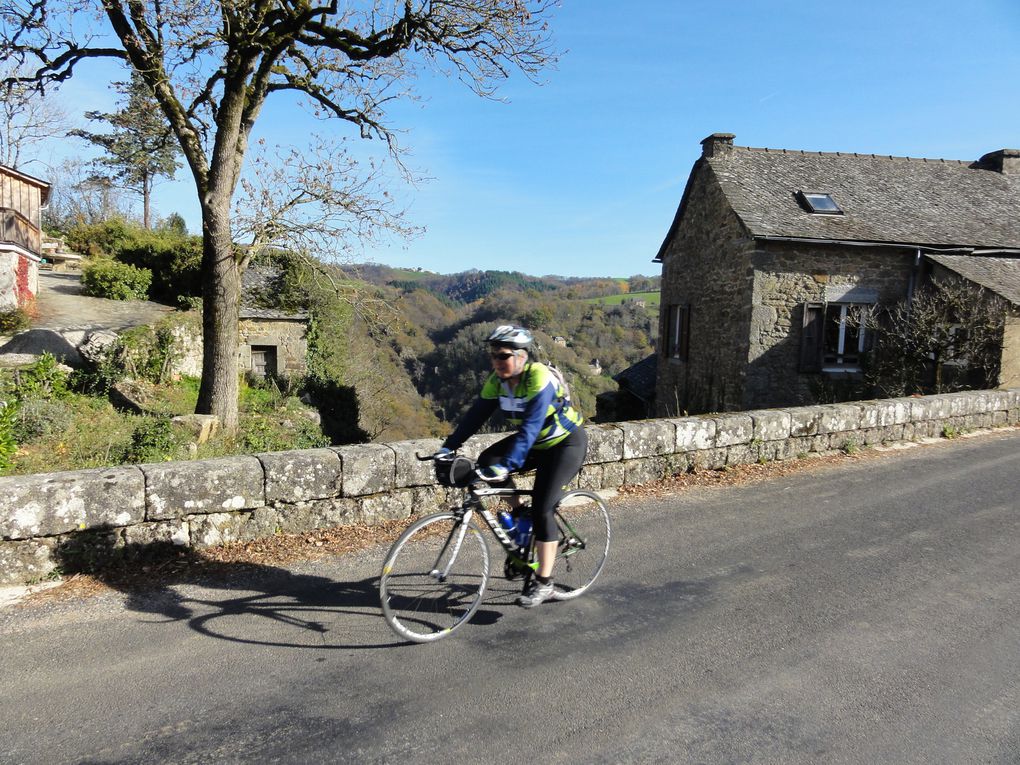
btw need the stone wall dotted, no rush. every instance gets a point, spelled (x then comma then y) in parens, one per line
(8, 280)
(706, 266)
(1009, 374)
(58, 519)
(287, 336)
(788, 275)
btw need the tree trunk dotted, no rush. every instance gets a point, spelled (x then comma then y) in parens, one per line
(146, 199)
(221, 293)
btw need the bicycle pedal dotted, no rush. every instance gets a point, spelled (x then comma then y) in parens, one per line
(511, 570)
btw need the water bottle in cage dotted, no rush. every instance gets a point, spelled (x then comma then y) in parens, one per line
(523, 531)
(507, 521)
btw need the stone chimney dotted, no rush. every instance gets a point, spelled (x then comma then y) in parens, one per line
(717, 144)
(1005, 161)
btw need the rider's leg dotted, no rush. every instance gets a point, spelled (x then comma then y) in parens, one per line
(546, 558)
(554, 469)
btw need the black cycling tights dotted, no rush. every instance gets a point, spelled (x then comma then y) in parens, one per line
(554, 469)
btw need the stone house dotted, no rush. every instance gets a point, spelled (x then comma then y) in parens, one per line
(770, 251)
(272, 342)
(635, 398)
(22, 198)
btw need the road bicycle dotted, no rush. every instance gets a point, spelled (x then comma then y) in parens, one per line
(436, 573)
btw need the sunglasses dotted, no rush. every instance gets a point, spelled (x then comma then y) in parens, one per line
(502, 356)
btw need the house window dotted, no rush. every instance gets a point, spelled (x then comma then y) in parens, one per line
(263, 360)
(955, 343)
(832, 339)
(818, 203)
(678, 331)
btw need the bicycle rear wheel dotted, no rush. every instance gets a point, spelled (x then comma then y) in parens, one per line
(583, 521)
(434, 577)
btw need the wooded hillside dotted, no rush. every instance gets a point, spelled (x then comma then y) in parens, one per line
(411, 343)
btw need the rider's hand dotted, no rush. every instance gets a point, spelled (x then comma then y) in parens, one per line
(493, 473)
(443, 453)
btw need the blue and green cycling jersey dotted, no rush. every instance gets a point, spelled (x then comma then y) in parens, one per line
(537, 407)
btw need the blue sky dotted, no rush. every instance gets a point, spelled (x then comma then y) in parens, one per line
(581, 175)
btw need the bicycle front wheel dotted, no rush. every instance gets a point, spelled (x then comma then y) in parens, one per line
(583, 521)
(434, 577)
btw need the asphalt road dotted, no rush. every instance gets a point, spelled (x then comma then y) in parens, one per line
(61, 305)
(865, 613)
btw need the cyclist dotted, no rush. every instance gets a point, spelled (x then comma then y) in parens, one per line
(550, 440)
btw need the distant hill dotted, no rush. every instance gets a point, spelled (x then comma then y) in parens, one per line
(410, 344)
(469, 286)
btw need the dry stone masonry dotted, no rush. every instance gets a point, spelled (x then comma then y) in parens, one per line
(51, 521)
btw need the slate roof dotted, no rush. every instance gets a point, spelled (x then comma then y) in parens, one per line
(1000, 275)
(926, 202)
(639, 379)
(259, 285)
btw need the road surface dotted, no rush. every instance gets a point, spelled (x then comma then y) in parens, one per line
(861, 613)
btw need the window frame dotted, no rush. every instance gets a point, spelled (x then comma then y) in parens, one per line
(806, 198)
(841, 351)
(678, 330)
(815, 356)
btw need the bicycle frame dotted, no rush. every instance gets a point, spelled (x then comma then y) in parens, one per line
(473, 503)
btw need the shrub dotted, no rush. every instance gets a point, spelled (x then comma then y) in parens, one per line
(14, 321)
(153, 440)
(173, 257)
(98, 378)
(44, 379)
(111, 279)
(259, 433)
(174, 260)
(148, 352)
(8, 443)
(95, 240)
(37, 417)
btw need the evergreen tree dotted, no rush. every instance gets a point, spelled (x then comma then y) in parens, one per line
(141, 146)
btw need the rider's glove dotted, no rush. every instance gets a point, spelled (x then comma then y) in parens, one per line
(443, 453)
(493, 473)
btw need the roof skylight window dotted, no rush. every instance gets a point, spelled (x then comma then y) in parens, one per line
(818, 203)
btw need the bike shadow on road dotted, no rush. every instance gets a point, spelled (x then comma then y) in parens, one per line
(249, 603)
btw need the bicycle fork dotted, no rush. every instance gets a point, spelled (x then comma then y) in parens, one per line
(459, 533)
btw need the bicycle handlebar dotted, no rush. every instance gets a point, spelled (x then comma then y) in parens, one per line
(434, 456)
(474, 466)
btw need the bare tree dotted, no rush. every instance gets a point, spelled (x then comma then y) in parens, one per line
(27, 119)
(315, 199)
(212, 64)
(78, 196)
(948, 337)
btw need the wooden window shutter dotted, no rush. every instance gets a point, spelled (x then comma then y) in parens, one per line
(664, 332)
(811, 338)
(685, 331)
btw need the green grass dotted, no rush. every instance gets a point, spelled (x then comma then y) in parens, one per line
(404, 275)
(97, 435)
(651, 298)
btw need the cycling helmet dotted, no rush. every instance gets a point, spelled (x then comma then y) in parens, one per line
(510, 336)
